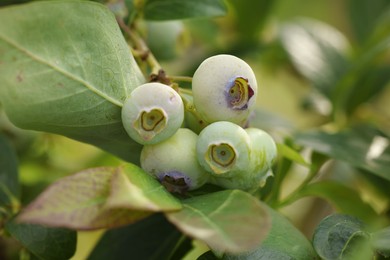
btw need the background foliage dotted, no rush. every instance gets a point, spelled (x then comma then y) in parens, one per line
(323, 73)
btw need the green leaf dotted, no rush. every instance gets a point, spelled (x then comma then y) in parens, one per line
(317, 51)
(381, 241)
(228, 221)
(364, 16)
(250, 17)
(99, 198)
(367, 78)
(65, 68)
(284, 241)
(337, 237)
(289, 153)
(133, 188)
(150, 238)
(343, 198)
(367, 85)
(183, 9)
(44, 242)
(363, 147)
(9, 181)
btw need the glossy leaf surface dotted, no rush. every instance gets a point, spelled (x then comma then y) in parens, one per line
(318, 52)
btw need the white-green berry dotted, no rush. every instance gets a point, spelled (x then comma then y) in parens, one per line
(224, 89)
(152, 113)
(263, 151)
(223, 149)
(262, 155)
(173, 162)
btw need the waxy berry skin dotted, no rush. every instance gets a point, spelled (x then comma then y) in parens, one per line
(152, 113)
(224, 89)
(174, 163)
(223, 149)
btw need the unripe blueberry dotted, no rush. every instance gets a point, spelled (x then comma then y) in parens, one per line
(173, 162)
(152, 113)
(224, 89)
(262, 155)
(223, 149)
(263, 152)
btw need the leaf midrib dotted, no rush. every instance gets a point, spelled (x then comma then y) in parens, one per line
(60, 70)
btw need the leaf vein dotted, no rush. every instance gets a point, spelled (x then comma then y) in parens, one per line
(60, 70)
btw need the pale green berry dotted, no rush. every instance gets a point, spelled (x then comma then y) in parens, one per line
(263, 152)
(223, 149)
(262, 155)
(173, 162)
(152, 113)
(224, 89)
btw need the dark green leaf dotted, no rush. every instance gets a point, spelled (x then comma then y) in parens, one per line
(369, 74)
(381, 241)
(44, 242)
(317, 51)
(364, 16)
(284, 241)
(207, 256)
(337, 237)
(362, 147)
(250, 16)
(343, 198)
(228, 221)
(151, 238)
(65, 68)
(367, 85)
(182, 9)
(100, 198)
(9, 181)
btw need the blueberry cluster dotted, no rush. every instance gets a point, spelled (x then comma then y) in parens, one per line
(223, 95)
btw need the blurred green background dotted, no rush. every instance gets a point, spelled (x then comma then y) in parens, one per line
(321, 64)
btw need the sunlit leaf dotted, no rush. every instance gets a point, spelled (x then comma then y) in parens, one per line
(151, 238)
(182, 9)
(65, 68)
(44, 242)
(339, 236)
(318, 52)
(362, 147)
(228, 221)
(9, 181)
(96, 198)
(132, 188)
